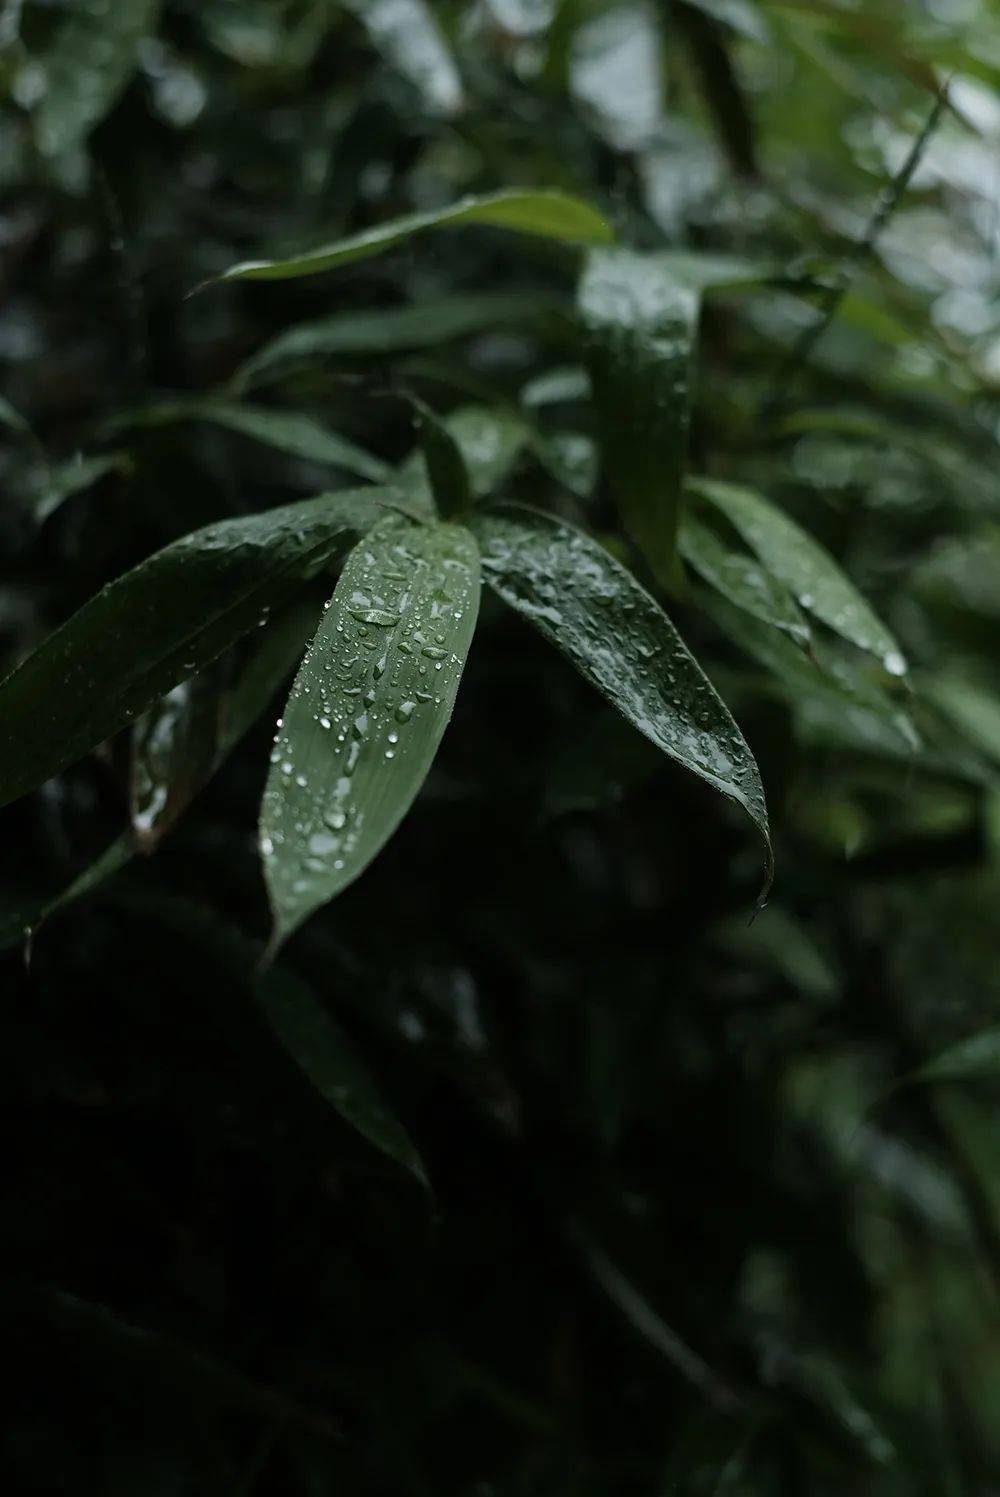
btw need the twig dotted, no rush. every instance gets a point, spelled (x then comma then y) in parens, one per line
(888, 201)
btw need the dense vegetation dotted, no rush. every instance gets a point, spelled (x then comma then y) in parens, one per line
(648, 356)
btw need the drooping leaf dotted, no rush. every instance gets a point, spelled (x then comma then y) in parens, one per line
(287, 431)
(741, 579)
(158, 624)
(93, 54)
(489, 440)
(620, 639)
(181, 742)
(378, 331)
(367, 711)
(801, 563)
(548, 214)
(409, 37)
(444, 462)
(973, 709)
(323, 1052)
(22, 924)
(641, 324)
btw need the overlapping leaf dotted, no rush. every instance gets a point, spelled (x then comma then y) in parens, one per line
(158, 624)
(620, 639)
(547, 214)
(367, 711)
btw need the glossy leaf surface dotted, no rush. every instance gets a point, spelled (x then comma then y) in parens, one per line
(158, 624)
(620, 639)
(367, 711)
(548, 214)
(741, 579)
(641, 323)
(802, 564)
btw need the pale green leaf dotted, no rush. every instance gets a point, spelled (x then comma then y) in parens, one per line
(367, 711)
(620, 639)
(546, 213)
(807, 570)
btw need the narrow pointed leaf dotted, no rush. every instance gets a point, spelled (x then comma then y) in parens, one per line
(382, 330)
(641, 323)
(620, 639)
(741, 579)
(158, 624)
(11, 417)
(806, 569)
(444, 461)
(324, 1054)
(367, 711)
(61, 483)
(489, 439)
(182, 742)
(548, 214)
(287, 431)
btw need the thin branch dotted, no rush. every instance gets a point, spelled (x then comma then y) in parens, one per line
(888, 201)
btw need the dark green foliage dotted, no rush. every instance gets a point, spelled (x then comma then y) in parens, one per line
(532, 1165)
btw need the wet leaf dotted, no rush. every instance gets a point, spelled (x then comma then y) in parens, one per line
(158, 624)
(367, 711)
(324, 1054)
(620, 639)
(801, 563)
(548, 214)
(444, 463)
(741, 579)
(489, 439)
(183, 741)
(641, 324)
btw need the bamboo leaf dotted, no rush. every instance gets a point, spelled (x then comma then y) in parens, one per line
(548, 214)
(641, 323)
(801, 563)
(158, 624)
(324, 1054)
(185, 739)
(287, 431)
(382, 330)
(444, 462)
(367, 711)
(976, 1056)
(741, 579)
(620, 639)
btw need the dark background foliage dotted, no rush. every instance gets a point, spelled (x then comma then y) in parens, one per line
(684, 1232)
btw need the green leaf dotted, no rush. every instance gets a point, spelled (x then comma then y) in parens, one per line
(367, 711)
(973, 709)
(324, 1054)
(94, 52)
(801, 563)
(409, 37)
(489, 439)
(157, 625)
(620, 639)
(61, 483)
(23, 924)
(641, 324)
(976, 1056)
(444, 463)
(12, 418)
(549, 214)
(181, 742)
(287, 431)
(741, 579)
(417, 325)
